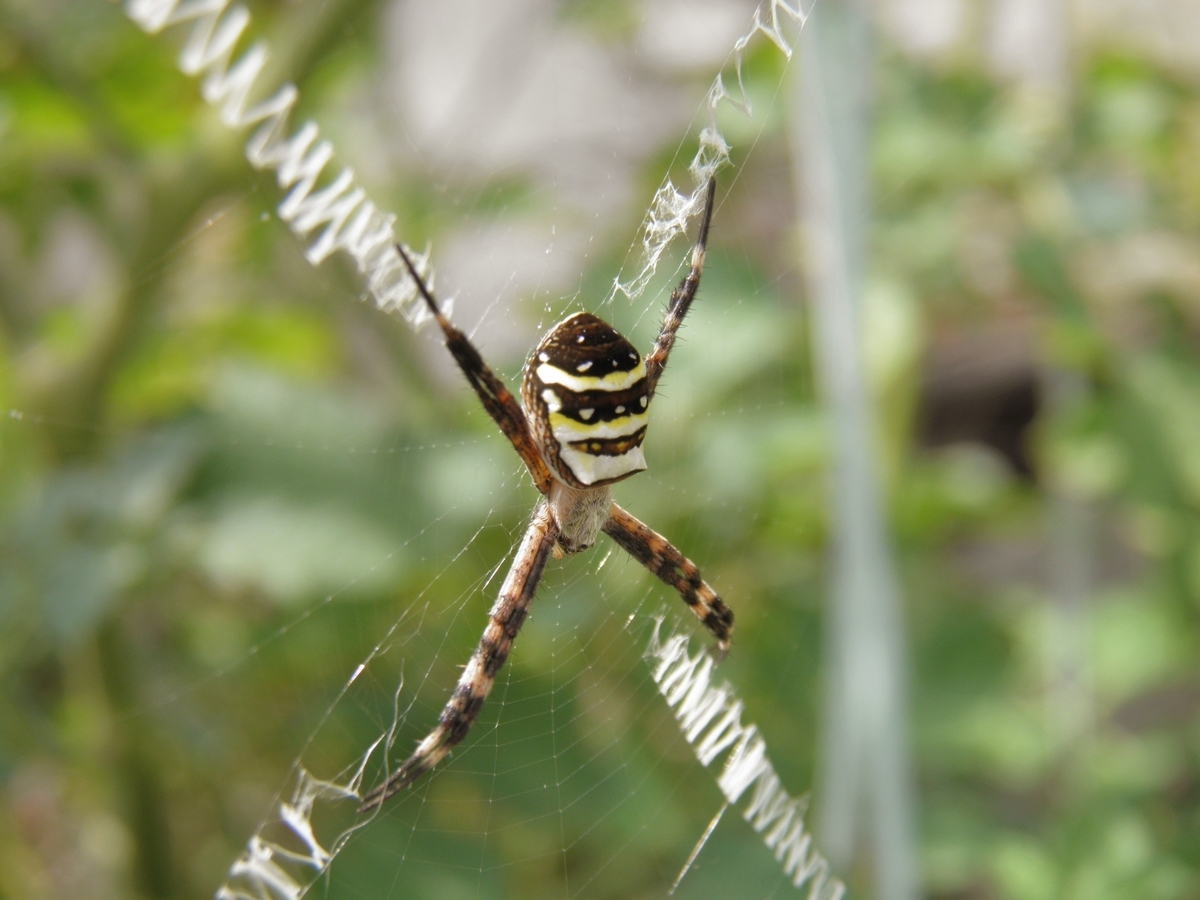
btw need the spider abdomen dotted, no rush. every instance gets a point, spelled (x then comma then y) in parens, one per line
(586, 396)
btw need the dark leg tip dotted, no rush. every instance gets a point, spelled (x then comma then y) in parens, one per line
(394, 785)
(702, 240)
(420, 282)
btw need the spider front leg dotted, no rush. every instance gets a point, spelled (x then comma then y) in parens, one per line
(655, 552)
(475, 683)
(681, 299)
(492, 392)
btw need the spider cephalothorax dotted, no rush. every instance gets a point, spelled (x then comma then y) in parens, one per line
(586, 392)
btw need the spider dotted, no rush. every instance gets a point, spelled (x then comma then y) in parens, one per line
(586, 393)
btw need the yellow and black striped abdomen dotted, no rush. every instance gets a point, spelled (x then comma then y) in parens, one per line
(585, 392)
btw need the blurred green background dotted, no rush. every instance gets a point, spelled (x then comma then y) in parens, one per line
(223, 479)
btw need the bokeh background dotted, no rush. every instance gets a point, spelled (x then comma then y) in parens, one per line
(224, 479)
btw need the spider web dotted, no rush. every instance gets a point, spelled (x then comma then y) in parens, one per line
(608, 698)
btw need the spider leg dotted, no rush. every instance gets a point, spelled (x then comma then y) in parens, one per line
(492, 392)
(681, 299)
(655, 552)
(506, 617)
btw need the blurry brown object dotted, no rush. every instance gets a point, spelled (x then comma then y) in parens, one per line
(981, 385)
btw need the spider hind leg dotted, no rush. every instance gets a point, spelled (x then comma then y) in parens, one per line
(658, 555)
(505, 620)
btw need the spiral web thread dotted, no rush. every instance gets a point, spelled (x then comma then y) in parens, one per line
(286, 857)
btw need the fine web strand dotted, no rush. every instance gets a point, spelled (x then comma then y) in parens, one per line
(337, 210)
(330, 212)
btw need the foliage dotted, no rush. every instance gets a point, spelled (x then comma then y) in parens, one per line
(222, 477)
